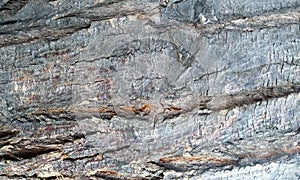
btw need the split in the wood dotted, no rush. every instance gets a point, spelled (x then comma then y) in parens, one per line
(68, 158)
(163, 109)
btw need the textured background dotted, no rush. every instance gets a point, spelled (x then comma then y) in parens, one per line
(173, 89)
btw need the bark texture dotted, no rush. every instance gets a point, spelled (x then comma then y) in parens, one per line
(170, 89)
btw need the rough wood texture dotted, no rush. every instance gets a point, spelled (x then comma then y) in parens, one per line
(173, 89)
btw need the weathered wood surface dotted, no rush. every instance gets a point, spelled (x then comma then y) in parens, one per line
(149, 89)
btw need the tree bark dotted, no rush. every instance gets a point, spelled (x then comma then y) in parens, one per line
(149, 89)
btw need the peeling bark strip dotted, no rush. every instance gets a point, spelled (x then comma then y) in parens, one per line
(7, 133)
(83, 82)
(18, 153)
(206, 162)
(107, 175)
(250, 97)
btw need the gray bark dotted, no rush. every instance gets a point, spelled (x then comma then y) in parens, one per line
(149, 89)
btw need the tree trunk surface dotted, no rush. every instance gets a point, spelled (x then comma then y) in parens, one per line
(170, 89)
